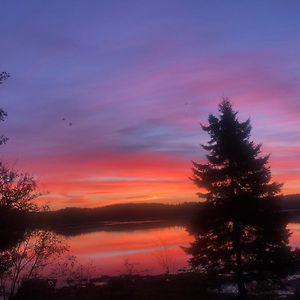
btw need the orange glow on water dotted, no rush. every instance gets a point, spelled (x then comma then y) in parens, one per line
(150, 251)
(295, 236)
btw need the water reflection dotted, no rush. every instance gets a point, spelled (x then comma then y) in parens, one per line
(295, 236)
(151, 251)
(148, 250)
(117, 250)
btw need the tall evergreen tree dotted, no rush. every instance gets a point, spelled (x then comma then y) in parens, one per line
(240, 231)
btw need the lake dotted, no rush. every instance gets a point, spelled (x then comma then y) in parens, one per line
(141, 251)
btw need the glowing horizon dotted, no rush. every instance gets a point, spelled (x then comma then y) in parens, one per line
(105, 100)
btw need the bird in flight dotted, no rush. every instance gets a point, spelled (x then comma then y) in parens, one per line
(70, 123)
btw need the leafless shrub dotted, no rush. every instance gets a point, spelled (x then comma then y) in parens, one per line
(28, 259)
(165, 258)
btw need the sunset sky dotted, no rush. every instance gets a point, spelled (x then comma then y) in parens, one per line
(105, 97)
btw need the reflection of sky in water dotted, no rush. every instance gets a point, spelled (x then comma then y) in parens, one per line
(295, 237)
(147, 249)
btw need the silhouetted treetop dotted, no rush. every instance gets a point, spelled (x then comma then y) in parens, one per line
(3, 114)
(17, 190)
(233, 159)
(3, 76)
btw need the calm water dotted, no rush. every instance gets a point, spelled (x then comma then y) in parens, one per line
(143, 251)
(295, 237)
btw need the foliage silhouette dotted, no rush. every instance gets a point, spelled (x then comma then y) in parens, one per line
(3, 114)
(27, 259)
(24, 253)
(3, 76)
(17, 192)
(240, 231)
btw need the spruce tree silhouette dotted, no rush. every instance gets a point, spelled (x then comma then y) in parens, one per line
(240, 232)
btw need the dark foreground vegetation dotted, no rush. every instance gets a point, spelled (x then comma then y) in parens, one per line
(183, 286)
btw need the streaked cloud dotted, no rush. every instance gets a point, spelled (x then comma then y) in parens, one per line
(135, 79)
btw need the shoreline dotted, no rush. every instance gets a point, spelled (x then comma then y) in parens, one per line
(181, 286)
